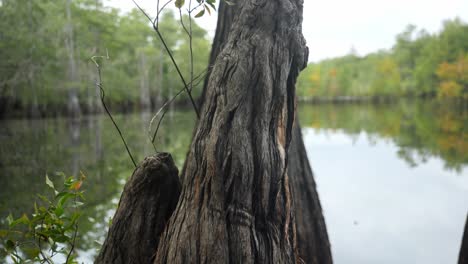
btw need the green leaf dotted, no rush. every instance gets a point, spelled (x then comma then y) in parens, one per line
(75, 217)
(201, 13)
(49, 182)
(22, 220)
(208, 9)
(31, 252)
(9, 219)
(211, 3)
(42, 210)
(229, 2)
(179, 3)
(58, 211)
(43, 198)
(63, 239)
(63, 198)
(68, 182)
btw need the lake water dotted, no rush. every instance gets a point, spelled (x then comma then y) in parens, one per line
(392, 179)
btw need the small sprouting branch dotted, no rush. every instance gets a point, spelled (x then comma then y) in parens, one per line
(101, 88)
(159, 11)
(44, 257)
(164, 108)
(155, 24)
(75, 232)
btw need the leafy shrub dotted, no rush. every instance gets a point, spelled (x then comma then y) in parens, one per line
(49, 234)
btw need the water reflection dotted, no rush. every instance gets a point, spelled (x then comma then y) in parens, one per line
(30, 149)
(420, 129)
(414, 131)
(378, 209)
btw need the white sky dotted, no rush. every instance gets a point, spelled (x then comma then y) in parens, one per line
(333, 27)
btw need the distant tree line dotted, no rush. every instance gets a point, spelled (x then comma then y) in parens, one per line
(419, 64)
(46, 49)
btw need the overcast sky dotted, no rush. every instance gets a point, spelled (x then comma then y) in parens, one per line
(333, 27)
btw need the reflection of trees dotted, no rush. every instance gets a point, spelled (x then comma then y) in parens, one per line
(421, 129)
(30, 149)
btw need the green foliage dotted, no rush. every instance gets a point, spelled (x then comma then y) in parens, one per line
(34, 67)
(50, 232)
(453, 78)
(410, 68)
(199, 8)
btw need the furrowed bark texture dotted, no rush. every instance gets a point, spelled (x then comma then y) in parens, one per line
(226, 14)
(312, 236)
(236, 204)
(463, 257)
(146, 204)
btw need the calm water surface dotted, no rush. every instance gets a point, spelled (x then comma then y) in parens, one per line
(392, 179)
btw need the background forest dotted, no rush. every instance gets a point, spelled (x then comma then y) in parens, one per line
(46, 65)
(38, 76)
(419, 64)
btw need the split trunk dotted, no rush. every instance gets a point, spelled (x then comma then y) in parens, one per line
(240, 185)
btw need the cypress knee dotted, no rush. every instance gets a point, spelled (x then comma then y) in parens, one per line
(146, 204)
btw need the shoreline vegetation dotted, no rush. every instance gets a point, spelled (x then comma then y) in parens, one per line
(39, 77)
(420, 64)
(36, 77)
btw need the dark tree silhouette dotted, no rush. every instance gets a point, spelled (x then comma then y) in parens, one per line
(312, 236)
(247, 168)
(463, 257)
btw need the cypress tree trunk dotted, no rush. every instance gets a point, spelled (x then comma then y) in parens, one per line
(313, 242)
(463, 256)
(236, 204)
(312, 236)
(240, 182)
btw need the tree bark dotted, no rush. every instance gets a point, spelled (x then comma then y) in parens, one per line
(312, 236)
(236, 204)
(226, 14)
(313, 242)
(463, 257)
(240, 182)
(147, 202)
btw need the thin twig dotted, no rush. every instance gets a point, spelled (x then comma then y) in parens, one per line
(187, 87)
(72, 244)
(156, 29)
(164, 110)
(39, 243)
(178, 71)
(182, 22)
(143, 11)
(103, 95)
(162, 8)
(195, 8)
(190, 45)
